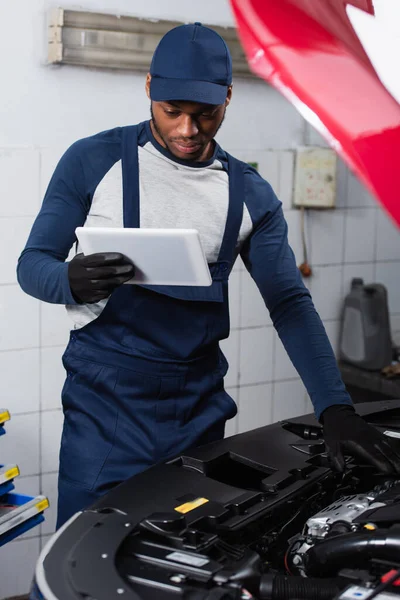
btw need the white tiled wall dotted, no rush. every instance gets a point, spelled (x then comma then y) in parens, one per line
(37, 123)
(288, 400)
(17, 560)
(256, 402)
(327, 237)
(357, 239)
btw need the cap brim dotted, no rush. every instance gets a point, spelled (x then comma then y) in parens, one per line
(187, 90)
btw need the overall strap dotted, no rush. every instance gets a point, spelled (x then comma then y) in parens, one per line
(130, 176)
(227, 253)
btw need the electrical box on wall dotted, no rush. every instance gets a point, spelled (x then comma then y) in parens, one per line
(315, 178)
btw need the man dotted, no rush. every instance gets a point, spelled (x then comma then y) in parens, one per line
(144, 369)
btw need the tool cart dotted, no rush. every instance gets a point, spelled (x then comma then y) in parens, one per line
(18, 512)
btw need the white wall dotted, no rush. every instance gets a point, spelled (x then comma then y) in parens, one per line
(43, 110)
(389, 12)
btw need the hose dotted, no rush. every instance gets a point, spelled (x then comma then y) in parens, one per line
(327, 557)
(280, 587)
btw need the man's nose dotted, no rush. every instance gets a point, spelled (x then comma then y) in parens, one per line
(187, 127)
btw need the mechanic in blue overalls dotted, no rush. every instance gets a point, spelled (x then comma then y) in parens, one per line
(145, 375)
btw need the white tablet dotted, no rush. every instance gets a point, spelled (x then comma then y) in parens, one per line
(161, 256)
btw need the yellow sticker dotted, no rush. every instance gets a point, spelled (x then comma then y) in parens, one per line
(11, 473)
(188, 506)
(4, 416)
(42, 504)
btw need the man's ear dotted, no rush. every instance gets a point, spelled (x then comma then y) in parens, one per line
(228, 96)
(147, 85)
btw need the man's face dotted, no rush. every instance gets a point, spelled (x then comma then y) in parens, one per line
(187, 129)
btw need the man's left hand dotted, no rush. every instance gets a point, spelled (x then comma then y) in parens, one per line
(345, 432)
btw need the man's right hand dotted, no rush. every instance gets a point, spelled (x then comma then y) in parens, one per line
(95, 276)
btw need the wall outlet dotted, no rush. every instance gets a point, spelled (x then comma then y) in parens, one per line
(315, 178)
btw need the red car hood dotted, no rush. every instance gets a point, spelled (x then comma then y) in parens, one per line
(309, 51)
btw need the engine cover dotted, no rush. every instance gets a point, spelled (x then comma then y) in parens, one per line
(218, 519)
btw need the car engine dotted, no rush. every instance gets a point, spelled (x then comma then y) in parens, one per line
(258, 516)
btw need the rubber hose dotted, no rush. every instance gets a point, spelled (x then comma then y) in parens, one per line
(280, 587)
(351, 549)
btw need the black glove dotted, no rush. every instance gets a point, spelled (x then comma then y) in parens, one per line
(95, 276)
(345, 432)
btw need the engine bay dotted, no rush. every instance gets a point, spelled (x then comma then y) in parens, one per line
(259, 515)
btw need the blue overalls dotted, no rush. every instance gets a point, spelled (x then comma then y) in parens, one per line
(145, 379)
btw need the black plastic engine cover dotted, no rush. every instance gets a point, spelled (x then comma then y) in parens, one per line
(169, 521)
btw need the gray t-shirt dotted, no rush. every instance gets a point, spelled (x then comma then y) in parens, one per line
(172, 195)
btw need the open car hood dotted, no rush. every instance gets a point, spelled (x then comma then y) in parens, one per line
(310, 52)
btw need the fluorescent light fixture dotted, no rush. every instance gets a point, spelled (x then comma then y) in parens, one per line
(117, 42)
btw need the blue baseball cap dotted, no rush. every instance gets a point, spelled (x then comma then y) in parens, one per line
(191, 63)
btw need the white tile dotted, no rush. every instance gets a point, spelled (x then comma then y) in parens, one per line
(342, 175)
(253, 312)
(269, 168)
(309, 410)
(20, 445)
(231, 427)
(267, 161)
(388, 275)
(49, 489)
(259, 117)
(326, 291)
(14, 232)
(395, 329)
(293, 220)
(234, 298)
(230, 347)
(239, 265)
(357, 194)
(327, 234)
(286, 178)
(19, 319)
(248, 155)
(20, 394)
(29, 486)
(332, 329)
(388, 238)
(52, 422)
(283, 366)
(308, 282)
(363, 271)
(255, 407)
(288, 400)
(256, 349)
(49, 157)
(17, 566)
(52, 376)
(360, 226)
(55, 324)
(19, 182)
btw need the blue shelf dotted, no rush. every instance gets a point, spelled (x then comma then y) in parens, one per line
(18, 513)
(4, 417)
(27, 512)
(7, 475)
